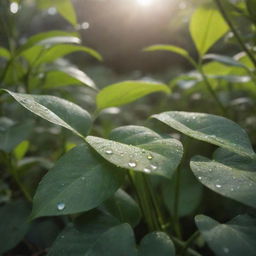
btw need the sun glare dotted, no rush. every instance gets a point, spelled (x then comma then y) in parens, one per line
(144, 2)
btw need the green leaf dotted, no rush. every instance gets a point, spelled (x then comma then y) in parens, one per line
(213, 129)
(4, 53)
(14, 224)
(57, 111)
(116, 241)
(80, 180)
(21, 149)
(156, 243)
(251, 7)
(123, 207)
(236, 237)
(64, 7)
(239, 181)
(81, 237)
(190, 194)
(125, 92)
(169, 48)
(206, 27)
(11, 136)
(156, 157)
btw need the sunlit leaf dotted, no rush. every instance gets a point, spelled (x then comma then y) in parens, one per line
(156, 243)
(155, 155)
(125, 92)
(207, 26)
(236, 237)
(21, 149)
(213, 129)
(228, 174)
(80, 180)
(57, 111)
(4, 53)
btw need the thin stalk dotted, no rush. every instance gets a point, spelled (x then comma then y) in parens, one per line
(189, 242)
(236, 34)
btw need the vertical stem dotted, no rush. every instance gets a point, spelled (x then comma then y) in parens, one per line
(189, 242)
(236, 34)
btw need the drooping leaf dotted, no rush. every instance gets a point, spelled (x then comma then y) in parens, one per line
(57, 111)
(156, 243)
(155, 155)
(123, 207)
(125, 92)
(207, 26)
(11, 136)
(64, 7)
(81, 237)
(14, 224)
(80, 180)
(236, 237)
(4, 53)
(228, 174)
(117, 241)
(169, 48)
(213, 129)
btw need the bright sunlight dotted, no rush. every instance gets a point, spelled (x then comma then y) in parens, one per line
(145, 2)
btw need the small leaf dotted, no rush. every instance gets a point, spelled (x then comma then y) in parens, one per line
(14, 224)
(4, 53)
(236, 237)
(169, 48)
(239, 181)
(207, 26)
(125, 92)
(21, 150)
(123, 207)
(157, 157)
(116, 241)
(64, 7)
(57, 111)
(213, 129)
(156, 243)
(79, 181)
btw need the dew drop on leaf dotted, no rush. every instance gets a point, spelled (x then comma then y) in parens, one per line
(218, 186)
(199, 177)
(153, 167)
(61, 206)
(146, 170)
(109, 152)
(132, 164)
(150, 157)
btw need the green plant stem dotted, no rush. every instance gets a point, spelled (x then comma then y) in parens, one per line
(176, 203)
(236, 34)
(189, 242)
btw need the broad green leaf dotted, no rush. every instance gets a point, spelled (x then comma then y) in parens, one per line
(14, 224)
(57, 111)
(125, 92)
(80, 180)
(207, 26)
(81, 237)
(226, 60)
(13, 135)
(236, 237)
(169, 48)
(156, 157)
(61, 50)
(190, 194)
(64, 7)
(123, 207)
(4, 53)
(156, 243)
(21, 150)
(229, 174)
(117, 241)
(37, 38)
(213, 129)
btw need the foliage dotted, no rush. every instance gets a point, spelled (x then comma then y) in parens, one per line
(135, 189)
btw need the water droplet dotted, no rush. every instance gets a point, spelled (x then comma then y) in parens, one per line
(218, 186)
(226, 250)
(153, 167)
(143, 151)
(83, 178)
(150, 157)
(146, 170)
(61, 206)
(199, 177)
(109, 152)
(132, 164)
(232, 189)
